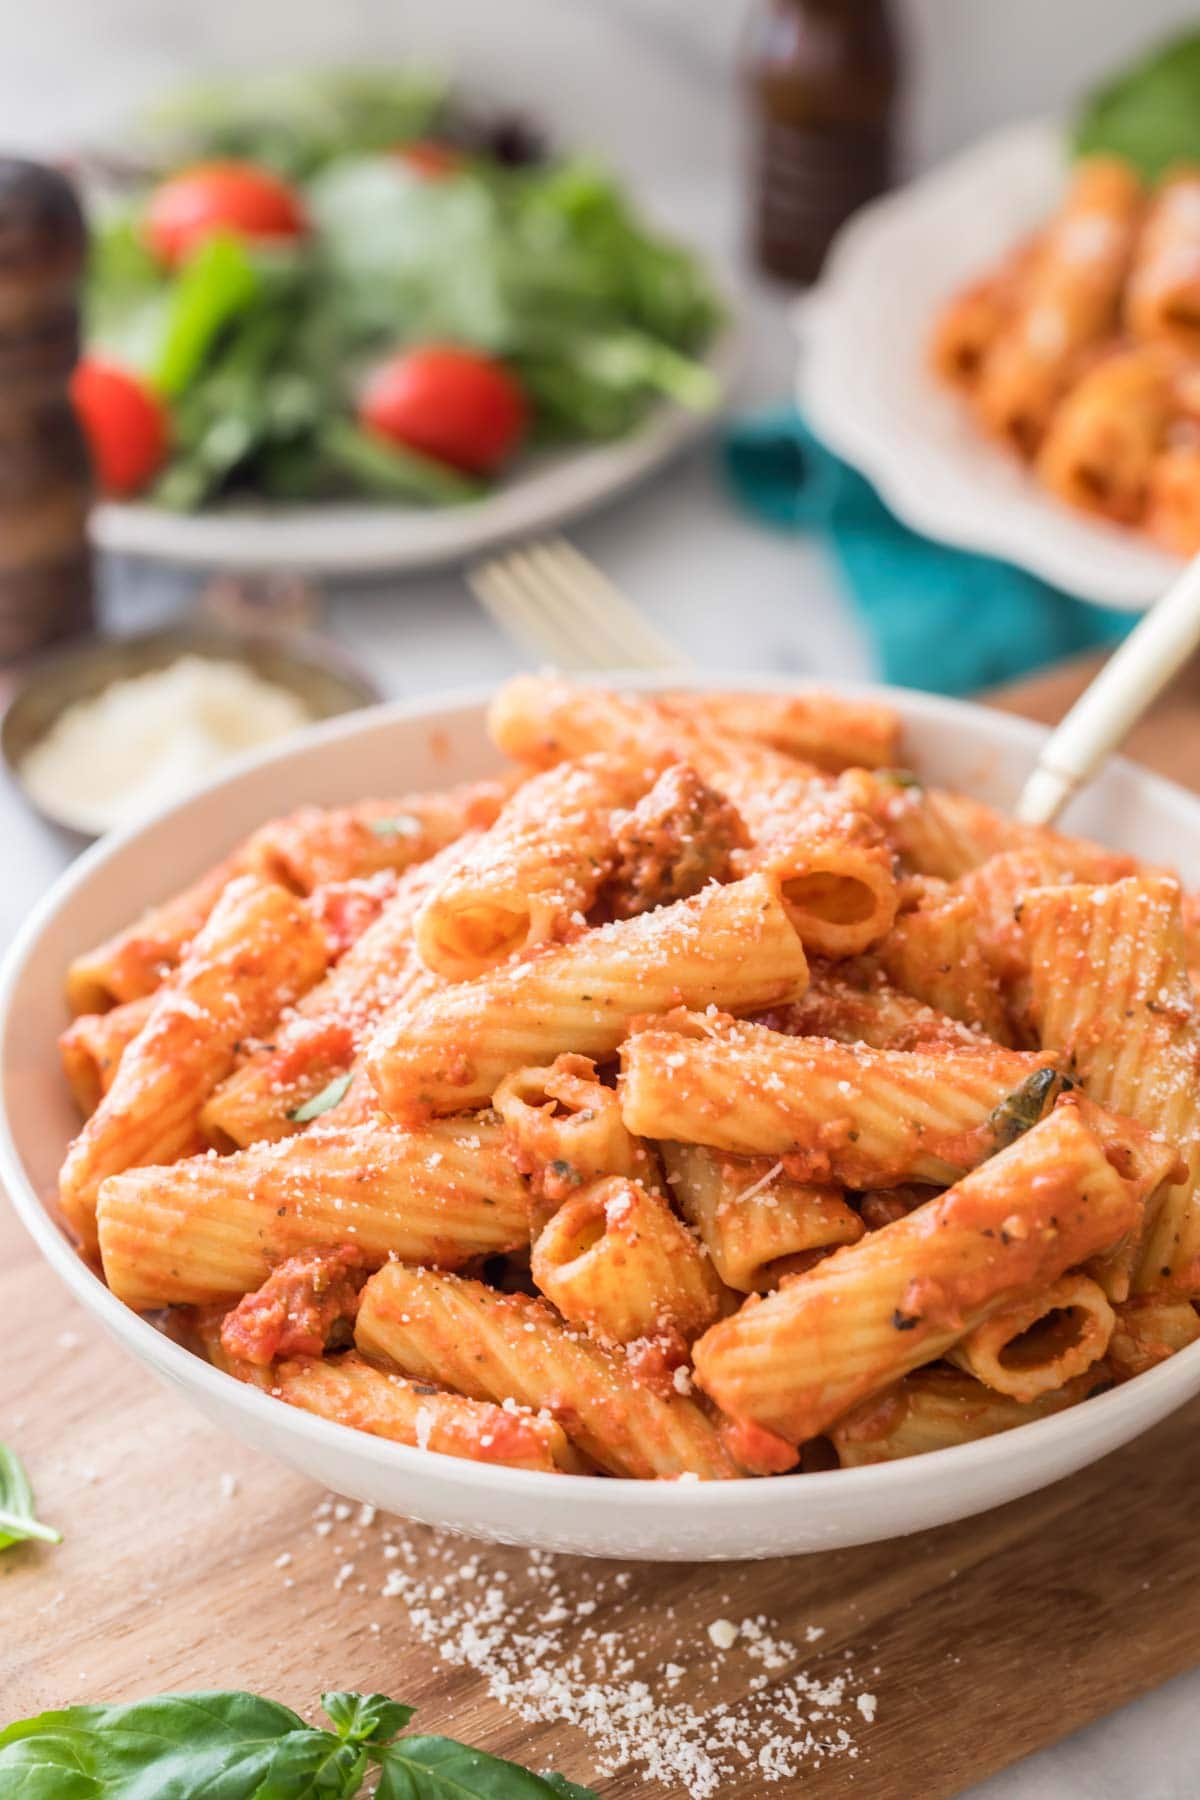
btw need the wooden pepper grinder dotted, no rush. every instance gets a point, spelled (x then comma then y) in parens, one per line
(45, 481)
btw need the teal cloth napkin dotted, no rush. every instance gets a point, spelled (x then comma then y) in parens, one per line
(945, 620)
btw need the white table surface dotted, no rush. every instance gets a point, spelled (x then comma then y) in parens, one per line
(739, 596)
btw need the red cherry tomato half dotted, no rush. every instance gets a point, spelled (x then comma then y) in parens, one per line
(124, 423)
(225, 196)
(425, 156)
(457, 405)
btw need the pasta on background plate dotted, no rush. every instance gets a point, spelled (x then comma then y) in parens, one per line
(1080, 350)
(707, 1097)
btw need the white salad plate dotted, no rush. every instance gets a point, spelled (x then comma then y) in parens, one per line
(423, 744)
(865, 386)
(359, 537)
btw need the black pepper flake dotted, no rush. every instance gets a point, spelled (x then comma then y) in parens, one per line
(905, 1321)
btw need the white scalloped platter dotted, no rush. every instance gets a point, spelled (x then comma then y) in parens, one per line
(867, 392)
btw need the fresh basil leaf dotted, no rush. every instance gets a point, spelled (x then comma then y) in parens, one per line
(171, 1747)
(49, 1768)
(366, 1718)
(570, 1790)
(437, 1768)
(17, 1518)
(313, 1765)
(1149, 114)
(402, 825)
(328, 1097)
(1021, 1110)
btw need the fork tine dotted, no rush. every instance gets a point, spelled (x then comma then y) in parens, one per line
(503, 594)
(553, 600)
(638, 644)
(595, 644)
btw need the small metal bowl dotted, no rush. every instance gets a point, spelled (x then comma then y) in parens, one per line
(313, 668)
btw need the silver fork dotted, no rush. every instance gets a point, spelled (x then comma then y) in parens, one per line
(559, 606)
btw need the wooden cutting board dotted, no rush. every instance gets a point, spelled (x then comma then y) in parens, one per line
(981, 1642)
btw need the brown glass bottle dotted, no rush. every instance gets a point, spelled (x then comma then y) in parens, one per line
(45, 483)
(823, 78)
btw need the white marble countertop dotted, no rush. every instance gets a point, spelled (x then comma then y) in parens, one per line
(646, 81)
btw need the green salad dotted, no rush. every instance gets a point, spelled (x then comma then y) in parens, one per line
(352, 286)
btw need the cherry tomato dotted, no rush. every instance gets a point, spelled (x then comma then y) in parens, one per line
(124, 423)
(457, 405)
(425, 156)
(219, 196)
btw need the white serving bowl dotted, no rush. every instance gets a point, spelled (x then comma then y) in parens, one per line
(394, 748)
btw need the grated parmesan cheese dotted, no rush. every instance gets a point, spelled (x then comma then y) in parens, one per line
(534, 1645)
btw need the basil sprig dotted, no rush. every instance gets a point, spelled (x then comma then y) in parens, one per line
(236, 1746)
(18, 1520)
(324, 1102)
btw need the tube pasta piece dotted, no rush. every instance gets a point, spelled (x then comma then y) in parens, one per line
(316, 1045)
(757, 1224)
(680, 836)
(508, 1347)
(1173, 499)
(352, 1391)
(935, 1409)
(933, 953)
(938, 833)
(1070, 303)
(616, 1260)
(856, 1004)
(542, 720)
(213, 1227)
(300, 852)
(134, 962)
(1148, 1330)
(1041, 1341)
(1110, 955)
(1102, 442)
(535, 873)
(833, 863)
(92, 1046)
(797, 1360)
(564, 1129)
(257, 953)
(830, 730)
(318, 845)
(1163, 297)
(969, 324)
(728, 946)
(996, 887)
(857, 1117)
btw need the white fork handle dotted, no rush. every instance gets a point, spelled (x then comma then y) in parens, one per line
(1130, 681)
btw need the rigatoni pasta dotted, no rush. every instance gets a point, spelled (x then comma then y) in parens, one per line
(617, 1260)
(258, 951)
(758, 1224)
(796, 1360)
(515, 1125)
(507, 1347)
(731, 946)
(837, 1113)
(212, 1227)
(1081, 352)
